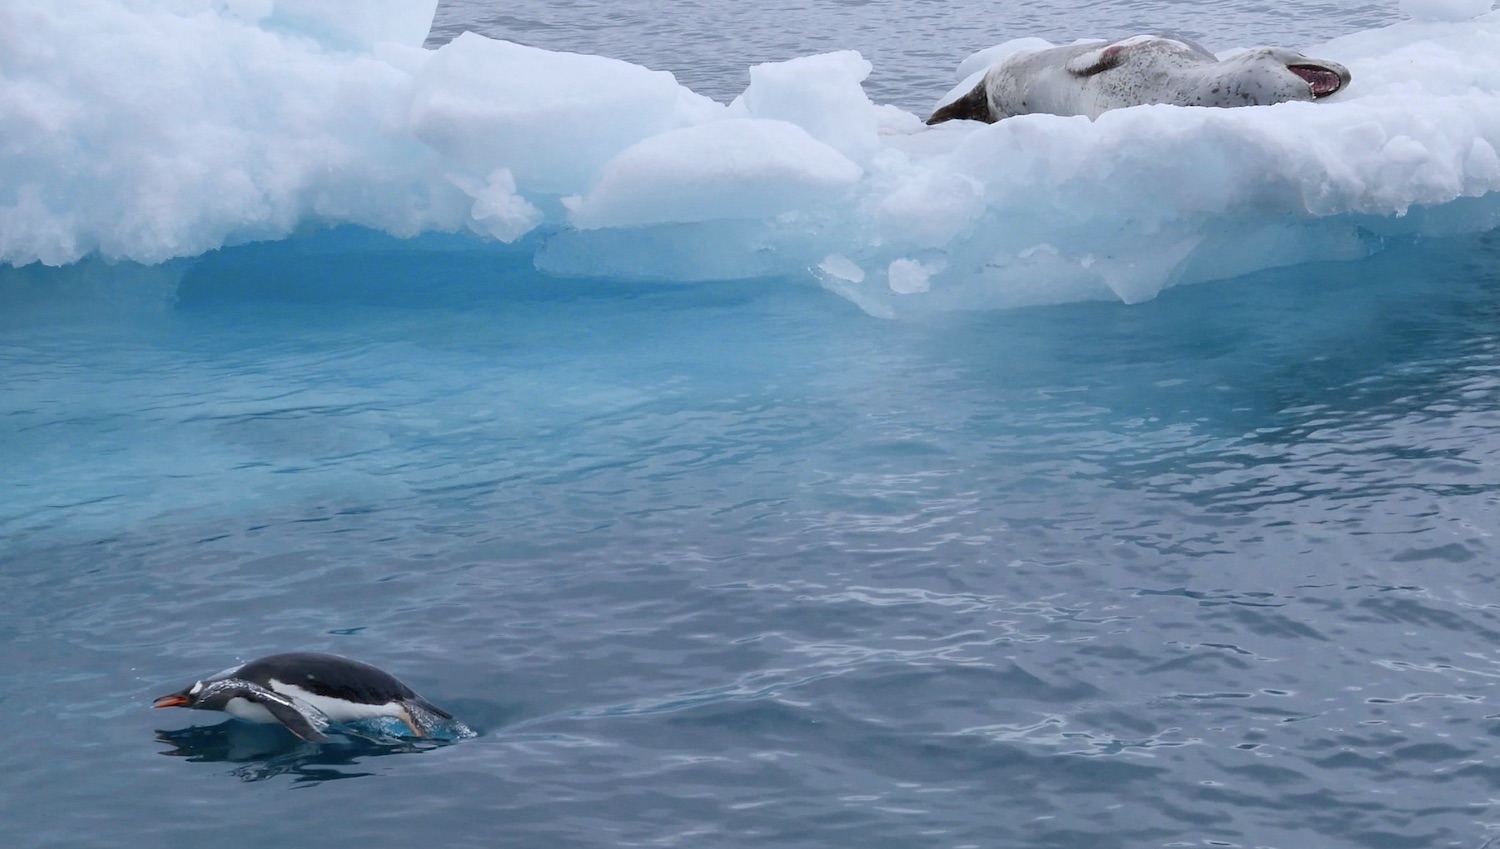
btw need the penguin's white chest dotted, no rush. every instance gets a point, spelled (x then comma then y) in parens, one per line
(337, 710)
(248, 711)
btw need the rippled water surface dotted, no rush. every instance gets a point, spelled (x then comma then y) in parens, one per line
(738, 565)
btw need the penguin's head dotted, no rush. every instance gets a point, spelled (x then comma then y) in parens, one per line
(188, 697)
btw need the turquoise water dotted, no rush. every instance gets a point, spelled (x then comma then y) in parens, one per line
(736, 564)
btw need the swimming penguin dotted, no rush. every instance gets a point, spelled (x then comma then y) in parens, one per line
(309, 691)
(1092, 78)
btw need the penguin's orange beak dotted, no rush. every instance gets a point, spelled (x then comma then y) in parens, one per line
(173, 700)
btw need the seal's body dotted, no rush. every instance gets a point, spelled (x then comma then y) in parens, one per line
(1089, 79)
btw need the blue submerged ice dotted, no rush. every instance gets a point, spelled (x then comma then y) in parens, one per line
(149, 130)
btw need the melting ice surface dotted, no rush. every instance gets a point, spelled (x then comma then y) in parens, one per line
(147, 130)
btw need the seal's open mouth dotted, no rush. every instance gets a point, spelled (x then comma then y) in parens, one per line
(1323, 81)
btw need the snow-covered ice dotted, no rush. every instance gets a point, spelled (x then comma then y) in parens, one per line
(147, 130)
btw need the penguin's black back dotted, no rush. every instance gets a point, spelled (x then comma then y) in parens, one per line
(333, 676)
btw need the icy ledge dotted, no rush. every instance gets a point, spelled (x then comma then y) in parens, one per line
(151, 129)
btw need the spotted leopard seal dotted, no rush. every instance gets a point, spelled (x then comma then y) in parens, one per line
(1092, 78)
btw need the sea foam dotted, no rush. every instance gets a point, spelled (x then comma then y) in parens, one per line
(147, 130)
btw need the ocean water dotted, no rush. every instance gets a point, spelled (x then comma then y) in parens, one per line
(736, 563)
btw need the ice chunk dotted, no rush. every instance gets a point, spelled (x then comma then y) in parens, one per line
(735, 168)
(837, 267)
(822, 95)
(343, 24)
(499, 212)
(151, 129)
(1446, 10)
(552, 119)
(138, 132)
(910, 277)
(346, 24)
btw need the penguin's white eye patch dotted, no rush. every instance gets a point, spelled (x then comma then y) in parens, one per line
(196, 687)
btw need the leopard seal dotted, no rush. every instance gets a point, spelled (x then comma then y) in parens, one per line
(1092, 78)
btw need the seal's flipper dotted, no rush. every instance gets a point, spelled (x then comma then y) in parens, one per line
(1097, 61)
(974, 106)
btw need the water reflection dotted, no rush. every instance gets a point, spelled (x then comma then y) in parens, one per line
(266, 751)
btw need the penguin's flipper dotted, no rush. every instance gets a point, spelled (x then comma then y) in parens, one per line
(306, 723)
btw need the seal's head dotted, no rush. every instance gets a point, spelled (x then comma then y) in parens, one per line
(1275, 75)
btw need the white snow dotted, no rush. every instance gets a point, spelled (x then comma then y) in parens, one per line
(735, 168)
(146, 130)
